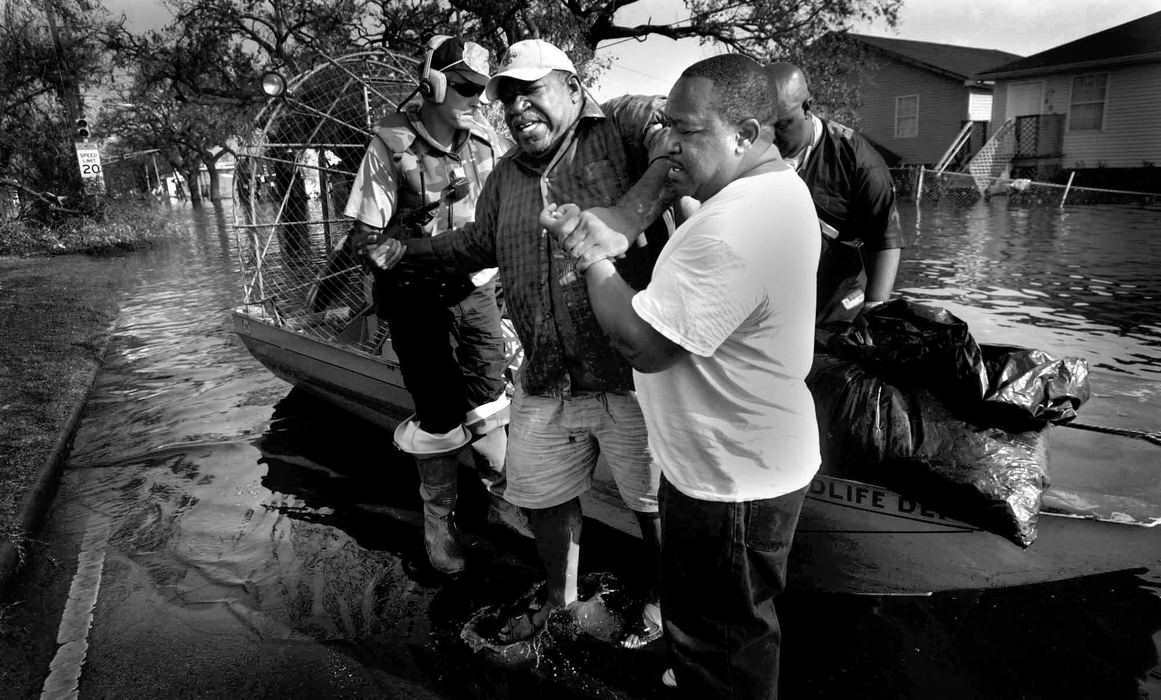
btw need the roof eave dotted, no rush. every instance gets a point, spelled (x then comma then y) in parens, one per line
(1067, 67)
(914, 62)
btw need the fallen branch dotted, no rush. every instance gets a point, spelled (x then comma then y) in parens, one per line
(54, 201)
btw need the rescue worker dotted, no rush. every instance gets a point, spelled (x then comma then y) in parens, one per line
(421, 176)
(853, 194)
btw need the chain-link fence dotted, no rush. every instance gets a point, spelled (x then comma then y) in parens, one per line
(921, 185)
(133, 173)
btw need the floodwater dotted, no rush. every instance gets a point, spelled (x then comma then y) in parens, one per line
(218, 535)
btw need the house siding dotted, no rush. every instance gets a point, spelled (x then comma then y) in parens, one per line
(999, 106)
(943, 107)
(1131, 134)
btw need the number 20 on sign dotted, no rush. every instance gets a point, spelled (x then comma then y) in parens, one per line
(89, 161)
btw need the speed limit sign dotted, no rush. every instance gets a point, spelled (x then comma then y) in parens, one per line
(89, 160)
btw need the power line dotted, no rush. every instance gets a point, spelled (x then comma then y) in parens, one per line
(72, 104)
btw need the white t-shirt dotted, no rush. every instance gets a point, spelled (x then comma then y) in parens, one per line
(735, 286)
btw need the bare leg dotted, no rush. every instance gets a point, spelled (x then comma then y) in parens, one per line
(650, 524)
(557, 531)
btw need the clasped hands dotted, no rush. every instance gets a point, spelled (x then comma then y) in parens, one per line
(379, 248)
(588, 236)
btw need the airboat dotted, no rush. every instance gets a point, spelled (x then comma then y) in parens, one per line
(307, 317)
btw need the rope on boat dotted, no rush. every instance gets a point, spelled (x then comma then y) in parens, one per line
(1154, 438)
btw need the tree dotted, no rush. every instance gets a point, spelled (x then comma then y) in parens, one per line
(766, 30)
(295, 35)
(186, 135)
(188, 90)
(39, 88)
(201, 74)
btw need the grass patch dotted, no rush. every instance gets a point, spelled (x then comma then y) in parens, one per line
(119, 226)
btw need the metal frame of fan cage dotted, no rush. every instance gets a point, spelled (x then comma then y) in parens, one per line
(294, 269)
(307, 312)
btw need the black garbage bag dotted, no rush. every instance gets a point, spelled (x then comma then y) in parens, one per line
(1033, 385)
(931, 347)
(918, 344)
(907, 438)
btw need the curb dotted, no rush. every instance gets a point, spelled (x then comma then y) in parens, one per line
(37, 500)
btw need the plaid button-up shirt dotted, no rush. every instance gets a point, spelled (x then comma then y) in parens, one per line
(565, 349)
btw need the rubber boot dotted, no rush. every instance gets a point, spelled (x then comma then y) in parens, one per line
(437, 488)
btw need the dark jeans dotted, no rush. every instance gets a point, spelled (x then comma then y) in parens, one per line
(452, 357)
(722, 566)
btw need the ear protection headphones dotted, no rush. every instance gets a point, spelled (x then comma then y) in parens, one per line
(432, 82)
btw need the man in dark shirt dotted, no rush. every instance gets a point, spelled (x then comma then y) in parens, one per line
(854, 196)
(574, 397)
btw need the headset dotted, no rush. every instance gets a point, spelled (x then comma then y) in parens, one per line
(432, 82)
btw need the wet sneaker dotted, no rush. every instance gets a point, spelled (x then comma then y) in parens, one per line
(668, 679)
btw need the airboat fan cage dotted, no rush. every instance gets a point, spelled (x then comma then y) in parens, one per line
(292, 181)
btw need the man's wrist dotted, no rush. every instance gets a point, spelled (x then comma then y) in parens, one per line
(598, 264)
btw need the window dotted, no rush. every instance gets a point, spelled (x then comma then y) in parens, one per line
(1086, 112)
(907, 117)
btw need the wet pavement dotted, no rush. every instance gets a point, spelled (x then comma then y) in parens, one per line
(216, 534)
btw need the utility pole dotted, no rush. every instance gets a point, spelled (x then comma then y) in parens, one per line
(70, 92)
(158, 173)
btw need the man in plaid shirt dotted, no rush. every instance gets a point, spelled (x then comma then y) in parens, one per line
(574, 396)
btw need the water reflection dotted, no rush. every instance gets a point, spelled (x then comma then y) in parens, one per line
(1090, 638)
(1081, 281)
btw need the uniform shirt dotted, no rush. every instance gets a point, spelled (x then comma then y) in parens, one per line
(851, 187)
(854, 195)
(565, 350)
(404, 168)
(734, 420)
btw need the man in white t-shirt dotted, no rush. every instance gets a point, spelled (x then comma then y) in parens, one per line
(721, 341)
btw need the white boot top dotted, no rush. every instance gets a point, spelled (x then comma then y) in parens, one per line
(412, 439)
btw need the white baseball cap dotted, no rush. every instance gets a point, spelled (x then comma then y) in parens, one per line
(528, 61)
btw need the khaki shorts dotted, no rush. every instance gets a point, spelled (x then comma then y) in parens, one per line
(553, 444)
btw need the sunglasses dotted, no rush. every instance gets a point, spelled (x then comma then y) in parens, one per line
(466, 89)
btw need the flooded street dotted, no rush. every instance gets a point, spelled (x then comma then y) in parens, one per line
(217, 535)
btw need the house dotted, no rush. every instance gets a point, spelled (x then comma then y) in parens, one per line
(917, 96)
(1092, 106)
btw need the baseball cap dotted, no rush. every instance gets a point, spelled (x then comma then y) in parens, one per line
(466, 59)
(529, 60)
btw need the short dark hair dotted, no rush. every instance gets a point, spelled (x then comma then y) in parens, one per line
(740, 85)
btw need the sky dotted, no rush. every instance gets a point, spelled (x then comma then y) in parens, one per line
(1022, 27)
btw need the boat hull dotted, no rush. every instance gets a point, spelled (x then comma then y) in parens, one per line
(852, 537)
(365, 385)
(860, 538)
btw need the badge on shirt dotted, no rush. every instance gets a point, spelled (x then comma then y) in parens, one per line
(853, 299)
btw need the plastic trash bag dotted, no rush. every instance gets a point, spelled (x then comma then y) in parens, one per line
(908, 439)
(931, 347)
(923, 344)
(906, 398)
(1034, 385)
